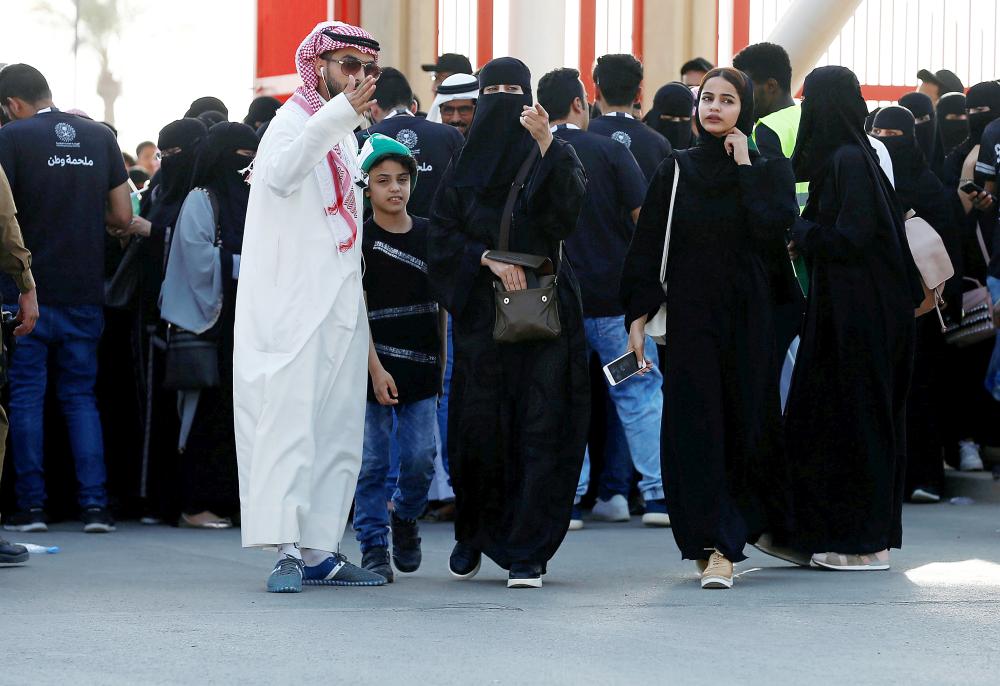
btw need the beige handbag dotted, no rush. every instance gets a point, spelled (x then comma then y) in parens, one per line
(656, 327)
(932, 262)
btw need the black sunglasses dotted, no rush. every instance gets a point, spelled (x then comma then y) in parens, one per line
(352, 65)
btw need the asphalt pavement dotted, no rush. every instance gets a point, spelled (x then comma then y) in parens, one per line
(158, 605)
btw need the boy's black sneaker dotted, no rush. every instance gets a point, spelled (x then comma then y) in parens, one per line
(525, 575)
(29, 521)
(97, 520)
(377, 560)
(465, 561)
(406, 553)
(11, 554)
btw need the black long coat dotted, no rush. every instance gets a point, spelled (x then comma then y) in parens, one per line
(518, 413)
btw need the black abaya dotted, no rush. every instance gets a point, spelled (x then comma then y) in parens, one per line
(519, 413)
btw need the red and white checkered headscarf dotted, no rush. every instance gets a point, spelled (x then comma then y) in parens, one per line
(317, 43)
(335, 181)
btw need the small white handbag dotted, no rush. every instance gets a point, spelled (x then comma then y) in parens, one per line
(657, 326)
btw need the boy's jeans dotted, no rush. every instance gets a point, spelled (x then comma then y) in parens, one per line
(416, 438)
(638, 404)
(71, 334)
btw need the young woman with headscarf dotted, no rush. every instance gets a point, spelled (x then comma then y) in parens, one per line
(952, 121)
(845, 419)
(179, 144)
(721, 410)
(925, 128)
(918, 189)
(518, 412)
(670, 114)
(199, 296)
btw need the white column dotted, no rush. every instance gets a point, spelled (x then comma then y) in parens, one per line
(536, 34)
(806, 30)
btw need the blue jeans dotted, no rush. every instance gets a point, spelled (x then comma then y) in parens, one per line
(71, 335)
(415, 436)
(638, 411)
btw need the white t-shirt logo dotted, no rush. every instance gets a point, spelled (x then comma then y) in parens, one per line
(65, 132)
(622, 138)
(407, 137)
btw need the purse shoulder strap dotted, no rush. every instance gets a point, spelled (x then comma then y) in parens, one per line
(982, 245)
(670, 223)
(515, 190)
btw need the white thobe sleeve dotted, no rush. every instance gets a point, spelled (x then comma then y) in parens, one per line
(295, 156)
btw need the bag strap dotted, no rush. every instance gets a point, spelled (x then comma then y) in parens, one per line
(982, 245)
(670, 223)
(515, 189)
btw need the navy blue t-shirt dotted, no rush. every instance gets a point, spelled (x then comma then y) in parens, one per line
(433, 146)
(649, 147)
(61, 168)
(615, 187)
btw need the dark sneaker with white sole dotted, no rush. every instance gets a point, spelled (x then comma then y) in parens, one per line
(465, 561)
(337, 571)
(406, 553)
(656, 513)
(33, 520)
(286, 577)
(524, 575)
(12, 554)
(377, 560)
(97, 520)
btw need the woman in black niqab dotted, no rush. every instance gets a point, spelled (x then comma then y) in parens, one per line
(519, 412)
(199, 294)
(952, 121)
(925, 128)
(982, 104)
(671, 114)
(845, 418)
(721, 411)
(919, 190)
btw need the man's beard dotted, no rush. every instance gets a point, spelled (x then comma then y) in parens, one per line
(332, 86)
(462, 128)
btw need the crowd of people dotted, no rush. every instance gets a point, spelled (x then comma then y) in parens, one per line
(345, 304)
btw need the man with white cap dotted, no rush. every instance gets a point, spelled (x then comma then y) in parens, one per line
(300, 359)
(455, 103)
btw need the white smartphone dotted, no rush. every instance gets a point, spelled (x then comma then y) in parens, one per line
(623, 368)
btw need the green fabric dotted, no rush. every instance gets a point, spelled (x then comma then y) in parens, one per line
(785, 124)
(376, 147)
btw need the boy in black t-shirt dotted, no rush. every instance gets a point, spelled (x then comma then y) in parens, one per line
(405, 361)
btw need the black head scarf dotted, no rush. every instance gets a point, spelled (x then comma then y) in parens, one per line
(497, 143)
(219, 170)
(673, 100)
(986, 94)
(924, 120)
(908, 161)
(262, 109)
(707, 165)
(176, 171)
(207, 104)
(211, 118)
(953, 131)
(833, 116)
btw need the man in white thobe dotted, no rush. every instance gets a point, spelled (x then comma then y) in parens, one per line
(300, 359)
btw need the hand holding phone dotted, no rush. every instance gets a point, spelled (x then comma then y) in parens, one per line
(625, 367)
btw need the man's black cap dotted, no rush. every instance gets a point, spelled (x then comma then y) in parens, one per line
(943, 79)
(452, 63)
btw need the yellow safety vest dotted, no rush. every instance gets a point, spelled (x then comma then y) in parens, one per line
(785, 124)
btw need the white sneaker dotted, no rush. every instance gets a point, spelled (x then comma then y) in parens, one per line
(969, 459)
(613, 510)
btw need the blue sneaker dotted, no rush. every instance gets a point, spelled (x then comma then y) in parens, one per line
(576, 519)
(656, 513)
(337, 571)
(287, 576)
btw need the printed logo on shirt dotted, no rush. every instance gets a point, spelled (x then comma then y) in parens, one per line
(66, 136)
(407, 137)
(622, 138)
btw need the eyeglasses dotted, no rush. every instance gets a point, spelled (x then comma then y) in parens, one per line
(352, 65)
(462, 110)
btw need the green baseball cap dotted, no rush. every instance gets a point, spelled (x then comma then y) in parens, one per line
(378, 147)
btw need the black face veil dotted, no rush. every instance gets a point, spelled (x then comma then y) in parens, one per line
(953, 131)
(497, 143)
(924, 121)
(673, 100)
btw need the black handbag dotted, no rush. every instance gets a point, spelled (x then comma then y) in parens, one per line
(531, 314)
(121, 289)
(192, 360)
